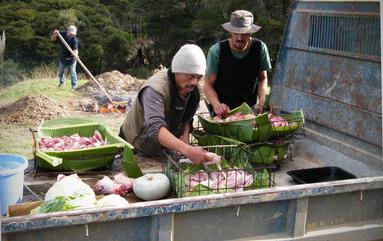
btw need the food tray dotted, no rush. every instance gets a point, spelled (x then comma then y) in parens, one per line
(195, 180)
(319, 174)
(82, 160)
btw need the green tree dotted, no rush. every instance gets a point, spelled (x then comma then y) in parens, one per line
(111, 33)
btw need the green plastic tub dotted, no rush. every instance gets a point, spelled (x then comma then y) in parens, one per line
(83, 160)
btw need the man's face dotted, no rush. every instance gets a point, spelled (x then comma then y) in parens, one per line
(240, 40)
(70, 34)
(186, 83)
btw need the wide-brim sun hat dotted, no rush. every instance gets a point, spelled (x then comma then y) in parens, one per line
(241, 21)
(189, 59)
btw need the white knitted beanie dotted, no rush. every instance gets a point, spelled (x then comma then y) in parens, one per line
(189, 59)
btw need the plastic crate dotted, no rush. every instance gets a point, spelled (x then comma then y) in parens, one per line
(82, 160)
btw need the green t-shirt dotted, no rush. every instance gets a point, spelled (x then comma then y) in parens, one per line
(213, 58)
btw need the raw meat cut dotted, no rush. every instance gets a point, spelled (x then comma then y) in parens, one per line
(73, 142)
(120, 185)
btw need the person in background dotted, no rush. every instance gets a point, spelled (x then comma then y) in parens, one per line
(66, 59)
(162, 114)
(237, 67)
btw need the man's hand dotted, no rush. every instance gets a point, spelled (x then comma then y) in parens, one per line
(54, 35)
(76, 54)
(222, 110)
(197, 155)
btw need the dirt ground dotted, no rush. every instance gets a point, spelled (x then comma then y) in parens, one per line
(31, 110)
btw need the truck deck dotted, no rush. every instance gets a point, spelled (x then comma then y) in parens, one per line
(332, 70)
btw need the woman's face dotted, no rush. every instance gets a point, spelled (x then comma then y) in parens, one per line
(186, 83)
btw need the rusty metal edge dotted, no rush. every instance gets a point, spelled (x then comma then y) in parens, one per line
(179, 205)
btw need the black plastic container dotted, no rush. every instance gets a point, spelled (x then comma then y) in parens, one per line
(320, 174)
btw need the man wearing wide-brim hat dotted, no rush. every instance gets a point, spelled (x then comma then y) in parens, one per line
(237, 67)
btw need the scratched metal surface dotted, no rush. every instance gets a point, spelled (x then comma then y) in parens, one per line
(329, 65)
(304, 75)
(183, 205)
(350, 207)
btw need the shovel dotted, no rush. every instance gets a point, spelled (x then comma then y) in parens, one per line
(87, 71)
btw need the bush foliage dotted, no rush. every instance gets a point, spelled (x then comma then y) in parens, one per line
(128, 34)
(10, 73)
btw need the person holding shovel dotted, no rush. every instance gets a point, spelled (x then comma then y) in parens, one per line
(162, 114)
(66, 59)
(237, 67)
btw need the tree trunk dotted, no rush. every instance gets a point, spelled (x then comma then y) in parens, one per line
(2, 47)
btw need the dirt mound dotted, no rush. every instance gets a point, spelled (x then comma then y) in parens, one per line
(113, 82)
(31, 110)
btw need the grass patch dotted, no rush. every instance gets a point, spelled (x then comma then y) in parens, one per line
(16, 141)
(47, 87)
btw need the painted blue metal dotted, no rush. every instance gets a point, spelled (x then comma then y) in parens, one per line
(270, 217)
(338, 33)
(329, 65)
(338, 86)
(181, 205)
(355, 7)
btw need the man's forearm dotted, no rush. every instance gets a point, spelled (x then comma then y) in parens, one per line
(168, 140)
(210, 93)
(262, 89)
(186, 133)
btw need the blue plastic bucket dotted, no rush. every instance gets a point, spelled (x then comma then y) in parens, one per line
(11, 180)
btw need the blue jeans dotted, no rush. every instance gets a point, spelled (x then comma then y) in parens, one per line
(73, 74)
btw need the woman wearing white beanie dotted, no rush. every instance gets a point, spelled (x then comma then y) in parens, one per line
(162, 115)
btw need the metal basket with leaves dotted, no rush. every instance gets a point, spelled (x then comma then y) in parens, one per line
(82, 160)
(259, 128)
(241, 130)
(232, 176)
(257, 153)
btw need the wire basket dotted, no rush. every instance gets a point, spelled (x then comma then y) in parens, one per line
(194, 180)
(274, 150)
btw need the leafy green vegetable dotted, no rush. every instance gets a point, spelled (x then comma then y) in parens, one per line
(262, 154)
(260, 179)
(200, 190)
(58, 204)
(240, 158)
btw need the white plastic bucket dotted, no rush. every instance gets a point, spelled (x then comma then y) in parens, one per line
(11, 179)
